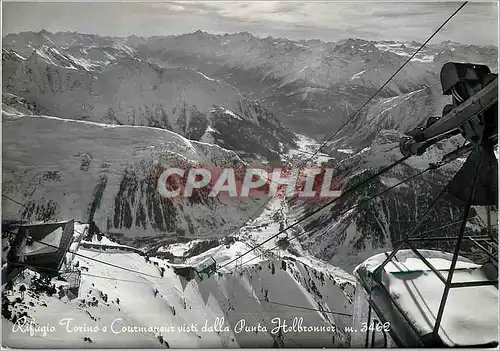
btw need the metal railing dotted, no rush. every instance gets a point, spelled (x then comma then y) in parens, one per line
(486, 243)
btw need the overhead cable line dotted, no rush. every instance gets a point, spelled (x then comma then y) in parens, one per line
(148, 283)
(348, 191)
(365, 200)
(295, 306)
(367, 102)
(13, 200)
(391, 77)
(385, 169)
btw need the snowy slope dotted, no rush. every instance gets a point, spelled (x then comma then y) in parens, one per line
(13, 104)
(65, 169)
(402, 112)
(231, 304)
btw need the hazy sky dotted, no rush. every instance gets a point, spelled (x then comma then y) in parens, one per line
(477, 22)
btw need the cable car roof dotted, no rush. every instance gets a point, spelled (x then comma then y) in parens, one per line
(408, 293)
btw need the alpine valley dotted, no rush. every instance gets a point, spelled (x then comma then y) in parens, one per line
(89, 121)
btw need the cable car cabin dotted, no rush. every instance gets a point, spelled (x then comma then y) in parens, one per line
(206, 268)
(40, 247)
(398, 300)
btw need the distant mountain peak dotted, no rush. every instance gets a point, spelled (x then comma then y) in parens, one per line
(9, 54)
(202, 33)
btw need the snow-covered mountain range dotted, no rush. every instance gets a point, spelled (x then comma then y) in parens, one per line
(211, 89)
(214, 89)
(89, 122)
(128, 90)
(309, 85)
(314, 85)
